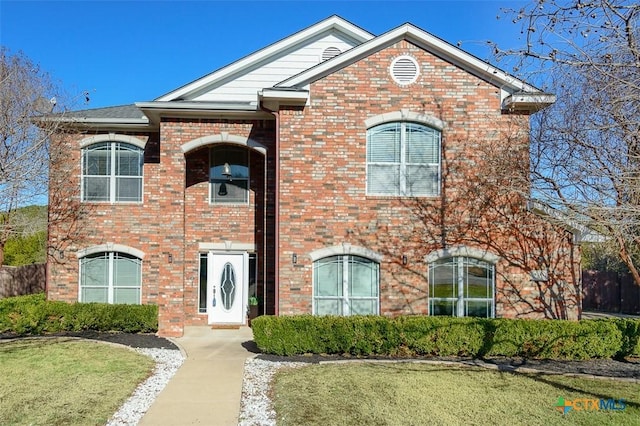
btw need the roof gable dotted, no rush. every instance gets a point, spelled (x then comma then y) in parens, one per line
(264, 68)
(508, 84)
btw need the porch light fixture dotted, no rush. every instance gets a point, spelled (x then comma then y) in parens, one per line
(226, 171)
(294, 258)
(404, 259)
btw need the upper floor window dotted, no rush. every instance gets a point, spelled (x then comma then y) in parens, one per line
(345, 285)
(229, 174)
(112, 172)
(110, 277)
(403, 159)
(462, 286)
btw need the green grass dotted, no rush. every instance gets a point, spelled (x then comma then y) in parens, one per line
(421, 394)
(60, 381)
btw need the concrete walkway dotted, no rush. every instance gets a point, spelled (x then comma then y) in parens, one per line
(207, 388)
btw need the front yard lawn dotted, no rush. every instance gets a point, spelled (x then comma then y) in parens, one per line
(61, 381)
(425, 394)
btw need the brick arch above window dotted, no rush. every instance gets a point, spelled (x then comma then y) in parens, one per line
(112, 137)
(223, 138)
(345, 248)
(110, 247)
(462, 251)
(405, 115)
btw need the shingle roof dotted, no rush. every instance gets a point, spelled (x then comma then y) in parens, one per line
(114, 112)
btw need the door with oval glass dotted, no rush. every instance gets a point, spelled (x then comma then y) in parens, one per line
(227, 287)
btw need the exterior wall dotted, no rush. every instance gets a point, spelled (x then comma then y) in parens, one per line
(323, 158)
(171, 222)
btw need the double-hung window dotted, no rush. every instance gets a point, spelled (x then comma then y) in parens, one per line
(345, 285)
(462, 286)
(112, 172)
(110, 277)
(403, 159)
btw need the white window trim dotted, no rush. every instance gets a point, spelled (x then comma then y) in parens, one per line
(110, 286)
(87, 142)
(345, 285)
(402, 190)
(457, 255)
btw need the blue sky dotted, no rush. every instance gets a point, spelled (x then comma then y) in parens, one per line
(122, 52)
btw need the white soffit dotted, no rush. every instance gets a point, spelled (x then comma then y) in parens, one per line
(332, 23)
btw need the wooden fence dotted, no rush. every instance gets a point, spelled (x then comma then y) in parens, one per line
(610, 292)
(21, 280)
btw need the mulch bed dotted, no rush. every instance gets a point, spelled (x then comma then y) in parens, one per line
(134, 340)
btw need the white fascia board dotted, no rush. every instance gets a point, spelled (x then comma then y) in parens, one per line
(197, 106)
(333, 22)
(581, 233)
(424, 40)
(531, 102)
(295, 96)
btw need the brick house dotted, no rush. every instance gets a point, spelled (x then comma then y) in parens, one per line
(332, 172)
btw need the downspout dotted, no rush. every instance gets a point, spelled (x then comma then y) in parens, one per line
(277, 210)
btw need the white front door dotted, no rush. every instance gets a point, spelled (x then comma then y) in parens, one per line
(227, 286)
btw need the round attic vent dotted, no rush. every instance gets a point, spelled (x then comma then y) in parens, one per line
(405, 70)
(330, 52)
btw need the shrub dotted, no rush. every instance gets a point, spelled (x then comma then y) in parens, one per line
(553, 339)
(445, 336)
(630, 330)
(33, 315)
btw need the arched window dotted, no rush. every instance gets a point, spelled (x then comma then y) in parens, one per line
(110, 277)
(346, 285)
(403, 159)
(229, 174)
(462, 287)
(112, 172)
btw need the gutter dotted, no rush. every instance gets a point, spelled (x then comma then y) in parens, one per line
(276, 114)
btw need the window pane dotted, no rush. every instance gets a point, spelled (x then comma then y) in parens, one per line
(90, 295)
(129, 296)
(128, 189)
(383, 179)
(202, 304)
(363, 277)
(442, 307)
(480, 309)
(364, 306)
(96, 189)
(328, 276)
(235, 191)
(328, 306)
(383, 143)
(94, 271)
(478, 280)
(128, 160)
(97, 160)
(422, 144)
(443, 278)
(126, 271)
(422, 180)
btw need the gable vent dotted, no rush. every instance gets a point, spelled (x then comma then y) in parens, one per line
(405, 70)
(330, 52)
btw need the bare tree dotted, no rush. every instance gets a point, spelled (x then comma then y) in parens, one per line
(28, 97)
(585, 150)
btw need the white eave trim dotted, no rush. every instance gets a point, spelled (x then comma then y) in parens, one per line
(531, 102)
(331, 23)
(581, 233)
(196, 106)
(424, 40)
(273, 98)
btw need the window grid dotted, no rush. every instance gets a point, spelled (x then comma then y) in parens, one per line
(403, 159)
(110, 277)
(346, 285)
(112, 172)
(456, 284)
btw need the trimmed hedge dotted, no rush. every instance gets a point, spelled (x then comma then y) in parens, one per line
(446, 336)
(34, 315)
